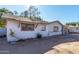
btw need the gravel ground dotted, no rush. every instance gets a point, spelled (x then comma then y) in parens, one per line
(51, 45)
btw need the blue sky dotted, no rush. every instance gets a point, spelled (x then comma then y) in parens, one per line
(63, 13)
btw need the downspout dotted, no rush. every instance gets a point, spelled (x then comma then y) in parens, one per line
(62, 30)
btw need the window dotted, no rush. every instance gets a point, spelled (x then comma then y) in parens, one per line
(56, 29)
(27, 27)
(43, 28)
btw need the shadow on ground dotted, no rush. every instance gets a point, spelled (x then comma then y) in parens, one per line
(36, 46)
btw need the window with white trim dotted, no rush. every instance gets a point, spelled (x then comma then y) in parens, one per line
(44, 28)
(27, 27)
(55, 29)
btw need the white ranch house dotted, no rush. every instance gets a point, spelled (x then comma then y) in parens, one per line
(24, 28)
(73, 29)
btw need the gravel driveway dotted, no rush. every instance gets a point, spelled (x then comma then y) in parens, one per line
(49, 45)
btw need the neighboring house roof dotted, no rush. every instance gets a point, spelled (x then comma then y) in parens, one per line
(70, 27)
(73, 26)
(26, 20)
(56, 22)
(21, 19)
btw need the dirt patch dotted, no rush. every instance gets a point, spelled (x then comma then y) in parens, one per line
(65, 48)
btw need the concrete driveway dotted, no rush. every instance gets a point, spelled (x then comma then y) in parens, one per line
(49, 45)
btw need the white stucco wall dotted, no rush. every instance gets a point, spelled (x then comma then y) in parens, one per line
(74, 29)
(13, 25)
(50, 29)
